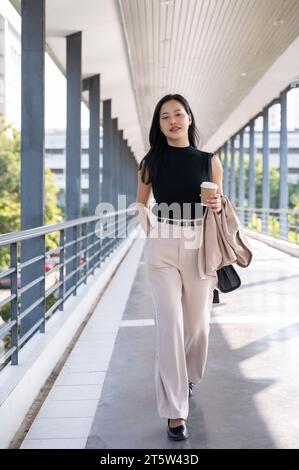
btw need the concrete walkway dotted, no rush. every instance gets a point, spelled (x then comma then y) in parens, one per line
(104, 397)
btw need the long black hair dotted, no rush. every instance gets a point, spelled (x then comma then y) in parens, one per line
(151, 161)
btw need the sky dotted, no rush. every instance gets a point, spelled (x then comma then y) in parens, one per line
(55, 98)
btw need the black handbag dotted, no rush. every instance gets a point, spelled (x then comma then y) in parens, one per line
(228, 279)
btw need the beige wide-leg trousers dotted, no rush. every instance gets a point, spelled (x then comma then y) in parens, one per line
(182, 303)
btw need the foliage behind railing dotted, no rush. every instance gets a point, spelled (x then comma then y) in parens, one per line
(282, 224)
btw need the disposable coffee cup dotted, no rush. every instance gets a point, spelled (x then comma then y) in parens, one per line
(207, 189)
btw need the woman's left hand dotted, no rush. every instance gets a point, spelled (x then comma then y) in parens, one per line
(215, 202)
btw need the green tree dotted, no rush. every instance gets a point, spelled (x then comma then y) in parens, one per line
(9, 185)
(274, 182)
(10, 199)
(10, 191)
(53, 214)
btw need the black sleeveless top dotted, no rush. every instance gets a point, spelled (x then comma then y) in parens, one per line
(181, 173)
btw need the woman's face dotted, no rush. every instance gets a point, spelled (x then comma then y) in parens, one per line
(174, 121)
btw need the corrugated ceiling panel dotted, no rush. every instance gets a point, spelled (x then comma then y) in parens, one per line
(211, 51)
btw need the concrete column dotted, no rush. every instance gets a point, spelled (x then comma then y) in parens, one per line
(127, 171)
(130, 177)
(126, 188)
(232, 172)
(134, 176)
(251, 165)
(241, 175)
(115, 158)
(265, 179)
(73, 131)
(73, 147)
(107, 152)
(121, 164)
(225, 172)
(283, 186)
(92, 84)
(32, 153)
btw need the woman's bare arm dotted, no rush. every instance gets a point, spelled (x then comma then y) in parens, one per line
(144, 191)
(217, 175)
(143, 197)
(217, 172)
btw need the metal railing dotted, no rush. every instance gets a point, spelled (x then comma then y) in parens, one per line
(282, 224)
(84, 244)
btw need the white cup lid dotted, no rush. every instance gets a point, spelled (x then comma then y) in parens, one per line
(209, 185)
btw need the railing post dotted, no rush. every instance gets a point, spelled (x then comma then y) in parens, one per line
(75, 259)
(43, 291)
(100, 242)
(94, 261)
(84, 246)
(14, 302)
(61, 269)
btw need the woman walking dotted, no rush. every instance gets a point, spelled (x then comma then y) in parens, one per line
(173, 170)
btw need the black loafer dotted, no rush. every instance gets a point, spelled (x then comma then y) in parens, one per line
(191, 385)
(178, 433)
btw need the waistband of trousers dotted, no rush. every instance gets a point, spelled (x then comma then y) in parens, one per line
(180, 222)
